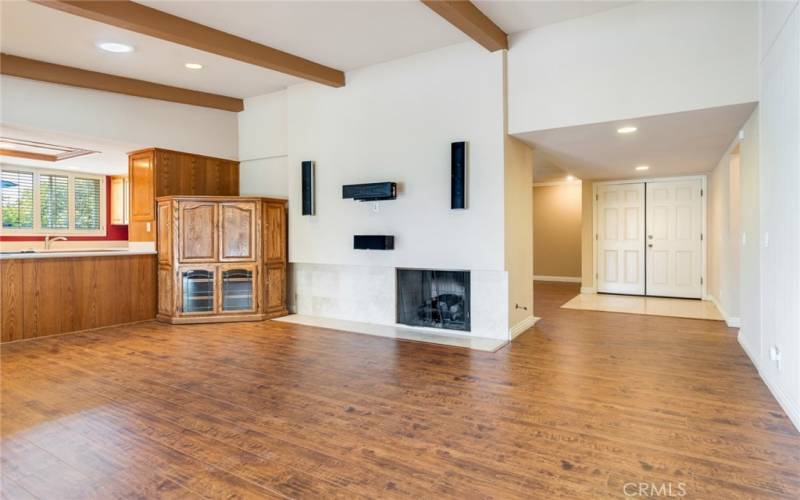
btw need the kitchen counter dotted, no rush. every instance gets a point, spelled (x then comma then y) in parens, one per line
(72, 253)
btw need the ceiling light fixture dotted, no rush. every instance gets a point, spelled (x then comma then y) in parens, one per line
(570, 177)
(193, 66)
(117, 48)
(627, 130)
(643, 167)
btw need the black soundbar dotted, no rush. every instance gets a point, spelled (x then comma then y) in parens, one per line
(373, 242)
(370, 192)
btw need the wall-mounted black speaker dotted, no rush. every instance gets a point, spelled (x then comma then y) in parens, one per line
(458, 175)
(308, 187)
(373, 242)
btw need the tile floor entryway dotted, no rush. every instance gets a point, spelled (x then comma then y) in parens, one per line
(652, 306)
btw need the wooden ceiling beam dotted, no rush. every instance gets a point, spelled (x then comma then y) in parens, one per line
(465, 16)
(76, 77)
(29, 155)
(152, 22)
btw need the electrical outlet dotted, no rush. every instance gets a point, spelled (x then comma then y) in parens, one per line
(766, 240)
(744, 239)
(775, 355)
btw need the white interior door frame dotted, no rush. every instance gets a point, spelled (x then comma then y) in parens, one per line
(704, 181)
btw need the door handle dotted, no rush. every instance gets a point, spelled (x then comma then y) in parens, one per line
(650, 245)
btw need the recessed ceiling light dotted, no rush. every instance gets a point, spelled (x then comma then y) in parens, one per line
(117, 48)
(627, 130)
(570, 177)
(194, 66)
(643, 167)
(74, 168)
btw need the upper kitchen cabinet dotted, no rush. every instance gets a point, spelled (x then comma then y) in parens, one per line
(120, 200)
(157, 172)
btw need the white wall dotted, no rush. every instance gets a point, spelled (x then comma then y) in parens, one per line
(263, 146)
(395, 122)
(779, 182)
(724, 226)
(648, 58)
(750, 252)
(127, 119)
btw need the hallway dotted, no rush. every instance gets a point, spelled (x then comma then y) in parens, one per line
(584, 405)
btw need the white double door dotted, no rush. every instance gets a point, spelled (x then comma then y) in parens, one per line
(649, 238)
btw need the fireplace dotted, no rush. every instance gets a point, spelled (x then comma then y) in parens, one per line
(434, 299)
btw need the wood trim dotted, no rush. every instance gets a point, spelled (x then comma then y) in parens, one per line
(152, 22)
(465, 16)
(27, 155)
(76, 77)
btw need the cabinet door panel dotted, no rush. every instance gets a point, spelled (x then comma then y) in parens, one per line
(238, 231)
(274, 233)
(198, 290)
(141, 179)
(164, 233)
(166, 304)
(275, 288)
(198, 222)
(239, 285)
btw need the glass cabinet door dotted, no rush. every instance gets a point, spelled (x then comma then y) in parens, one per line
(238, 285)
(198, 290)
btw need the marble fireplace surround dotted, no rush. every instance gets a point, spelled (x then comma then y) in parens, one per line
(367, 294)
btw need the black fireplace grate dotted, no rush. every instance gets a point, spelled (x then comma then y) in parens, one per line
(433, 298)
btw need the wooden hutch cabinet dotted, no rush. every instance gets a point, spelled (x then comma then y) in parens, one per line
(221, 259)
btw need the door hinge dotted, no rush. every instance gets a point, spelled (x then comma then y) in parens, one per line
(701, 280)
(701, 193)
(597, 275)
(596, 236)
(701, 236)
(597, 197)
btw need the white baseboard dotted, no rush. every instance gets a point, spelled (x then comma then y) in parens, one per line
(588, 289)
(560, 279)
(731, 321)
(522, 326)
(792, 411)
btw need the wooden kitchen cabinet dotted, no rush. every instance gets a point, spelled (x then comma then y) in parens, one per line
(221, 258)
(156, 172)
(119, 200)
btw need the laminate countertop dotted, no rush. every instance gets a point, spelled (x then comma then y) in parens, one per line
(70, 253)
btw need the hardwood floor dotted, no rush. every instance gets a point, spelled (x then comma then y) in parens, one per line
(578, 407)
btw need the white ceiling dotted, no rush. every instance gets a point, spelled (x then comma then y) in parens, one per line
(111, 159)
(70, 40)
(545, 169)
(674, 144)
(516, 16)
(343, 35)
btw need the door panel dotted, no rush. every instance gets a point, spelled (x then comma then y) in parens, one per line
(238, 231)
(198, 222)
(275, 288)
(274, 233)
(620, 238)
(164, 233)
(674, 242)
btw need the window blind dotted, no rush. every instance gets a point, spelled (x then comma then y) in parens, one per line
(54, 201)
(17, 199)
(87, 203)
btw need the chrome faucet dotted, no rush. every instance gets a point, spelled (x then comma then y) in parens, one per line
(48, 240)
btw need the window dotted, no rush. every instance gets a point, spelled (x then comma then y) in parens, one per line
(87, 203)
(17, 199)
(38, 202)
(54, 201)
